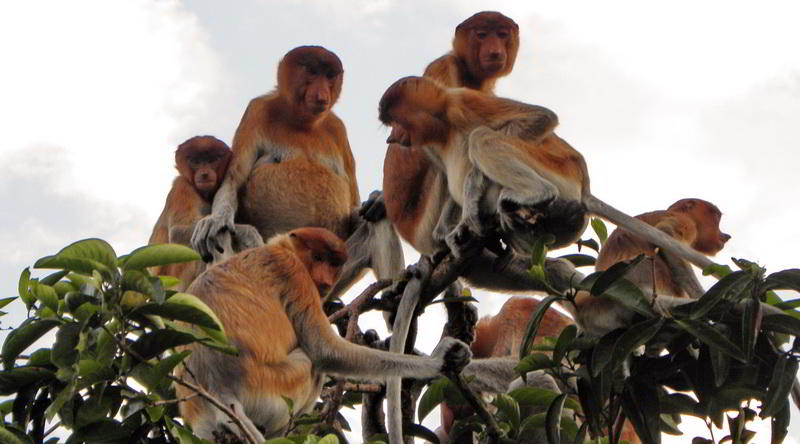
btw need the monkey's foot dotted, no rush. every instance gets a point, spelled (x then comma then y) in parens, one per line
(455, 355)
(373, 209)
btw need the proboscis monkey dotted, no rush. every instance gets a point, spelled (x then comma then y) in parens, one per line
(485, 47)
(693, 222)
(505, 164)
(501, 335)
(292, 167)
(201, 162)
(269, 302)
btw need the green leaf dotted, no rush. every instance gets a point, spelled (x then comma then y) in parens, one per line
(718, 292)
(103, 431)
(783, 280)
(579, 260)
(153, 343)
(432, 397)
(751, 326)
(600, 229)
(419, 431)
(83, 256)
(162, 254)
(6, 301)
(622, 291)
(135, 280)
(535, 398)
(780, 423)
(47, 296)
(13, 380)
(712, 337)
(633, 337)
(180, 312)
(603, 352)
(681, 404)
(781, 323)
(151, 376)
(720, 364)
(21, 338)
(24, 283)
(613, 274)
(533, 324)
(64, 352)
(53, 278)
(553, 421)
(564, 341)
(640, 404)
(588, 243)
(535, 361)
(508, 408)
(202, 335)
(6, 437)
(63, 396)
(783, 376)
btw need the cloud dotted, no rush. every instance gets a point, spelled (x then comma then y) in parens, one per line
(116, 85)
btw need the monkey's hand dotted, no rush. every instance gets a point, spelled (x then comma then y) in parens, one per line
(374, 208)
(246, 236)
(454, 355)
(208, 239)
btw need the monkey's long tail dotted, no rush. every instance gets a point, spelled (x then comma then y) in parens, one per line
(402, 323)
(648, 232)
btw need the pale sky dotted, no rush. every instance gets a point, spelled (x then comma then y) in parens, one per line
(665, 100)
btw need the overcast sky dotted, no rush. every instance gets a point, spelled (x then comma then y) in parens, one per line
(665, 100)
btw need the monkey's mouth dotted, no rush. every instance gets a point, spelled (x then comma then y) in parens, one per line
(493, 65)
(205, 185)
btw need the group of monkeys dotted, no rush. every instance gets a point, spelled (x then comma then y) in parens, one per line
(272, 212)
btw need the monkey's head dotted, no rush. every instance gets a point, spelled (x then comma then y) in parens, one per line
(488, 43)
(323, 254)
(310, 80)
(416, 110)
(203, 160)
(706, 217)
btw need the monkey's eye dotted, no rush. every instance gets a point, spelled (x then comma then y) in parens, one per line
(316, 257)
(481, 34)
(312, 70)
(502, 34)
(330, 75)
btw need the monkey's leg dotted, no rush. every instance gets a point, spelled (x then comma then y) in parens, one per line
(683, 274)
(371, 245)
(470, 226)
(525, 192)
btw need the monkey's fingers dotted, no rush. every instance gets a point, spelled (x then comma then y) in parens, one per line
(455, 355)
(374, 208)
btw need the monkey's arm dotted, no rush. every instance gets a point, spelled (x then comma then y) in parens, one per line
(334, 355)
(206, 238)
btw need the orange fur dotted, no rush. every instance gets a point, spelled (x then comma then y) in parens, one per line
(410, 183)
(314, 163)
(424, 114)
(201, 159)
(694, 222)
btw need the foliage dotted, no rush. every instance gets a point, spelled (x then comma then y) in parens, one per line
(711, 358)
(105, 323)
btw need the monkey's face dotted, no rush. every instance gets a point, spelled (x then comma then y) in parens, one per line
(706, 216)
(205, 179)
(490, 49)
(320, 88)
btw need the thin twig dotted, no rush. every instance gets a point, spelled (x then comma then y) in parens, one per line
(492, 429)
(196, 388)
(355, 306)
(176, 401)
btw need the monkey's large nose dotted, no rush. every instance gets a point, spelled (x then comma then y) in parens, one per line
(725, 237)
